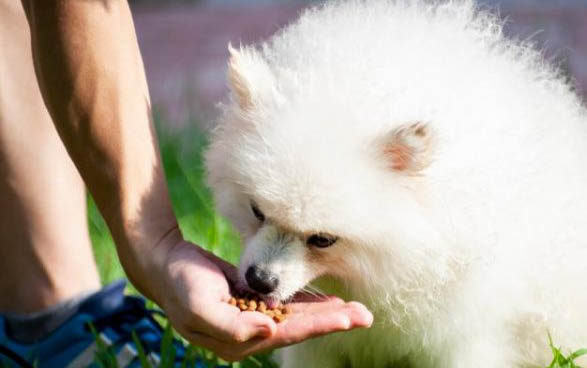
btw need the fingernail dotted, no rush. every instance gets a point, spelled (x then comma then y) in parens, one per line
(347, 323)
(369, 320)
(264, 331)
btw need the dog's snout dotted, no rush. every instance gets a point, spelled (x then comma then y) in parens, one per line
(260, 280)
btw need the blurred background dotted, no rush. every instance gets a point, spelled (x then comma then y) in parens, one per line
(184, 43)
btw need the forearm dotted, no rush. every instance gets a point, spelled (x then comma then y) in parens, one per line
(92, 79)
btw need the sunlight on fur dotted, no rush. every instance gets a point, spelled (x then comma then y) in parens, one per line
(447, 164)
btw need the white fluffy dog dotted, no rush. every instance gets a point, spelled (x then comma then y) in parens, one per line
(405, 154)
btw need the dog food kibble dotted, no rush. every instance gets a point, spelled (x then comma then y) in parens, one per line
(278, 314)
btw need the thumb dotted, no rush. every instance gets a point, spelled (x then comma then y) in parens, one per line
(229, 324)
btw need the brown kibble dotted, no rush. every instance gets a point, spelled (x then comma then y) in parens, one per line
(252, 304)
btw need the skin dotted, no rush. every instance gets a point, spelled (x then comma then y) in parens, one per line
(90, 75)
(43, 230)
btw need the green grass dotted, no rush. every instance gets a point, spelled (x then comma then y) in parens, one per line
(559, 360)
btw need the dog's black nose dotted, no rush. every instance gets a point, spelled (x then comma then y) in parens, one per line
(261, 281)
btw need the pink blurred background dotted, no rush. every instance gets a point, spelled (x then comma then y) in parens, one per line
(184, 45)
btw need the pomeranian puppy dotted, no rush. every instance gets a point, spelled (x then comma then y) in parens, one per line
(407, 155)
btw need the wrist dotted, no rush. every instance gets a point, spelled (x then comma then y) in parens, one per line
(143, 224)
(147, 268)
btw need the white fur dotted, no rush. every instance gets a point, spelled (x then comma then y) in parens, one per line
(466, 263)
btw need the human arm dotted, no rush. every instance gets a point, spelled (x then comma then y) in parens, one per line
(92, 79)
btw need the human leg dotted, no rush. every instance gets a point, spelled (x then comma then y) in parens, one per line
(45, 251)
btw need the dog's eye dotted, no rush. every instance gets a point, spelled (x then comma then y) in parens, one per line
(257, 212)
(321, 240)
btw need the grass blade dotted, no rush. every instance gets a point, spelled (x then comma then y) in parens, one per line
(142, 356)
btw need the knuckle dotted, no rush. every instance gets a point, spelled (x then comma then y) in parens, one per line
(355, 306)
(336, 300)
(290, 341)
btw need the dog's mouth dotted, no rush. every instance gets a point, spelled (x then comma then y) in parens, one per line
(271, 302)
(273, 299)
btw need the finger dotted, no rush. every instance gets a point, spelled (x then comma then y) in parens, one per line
(227, 323)
(360, 315)
(316, 306)
(302, 326)
(293, 330)
(320, 321)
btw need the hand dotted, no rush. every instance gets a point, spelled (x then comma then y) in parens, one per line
(196, 302)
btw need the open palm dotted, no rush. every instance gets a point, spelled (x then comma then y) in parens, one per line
(198, 288)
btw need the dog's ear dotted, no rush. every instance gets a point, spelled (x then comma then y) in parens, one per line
(408, 148)
(248, 77)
